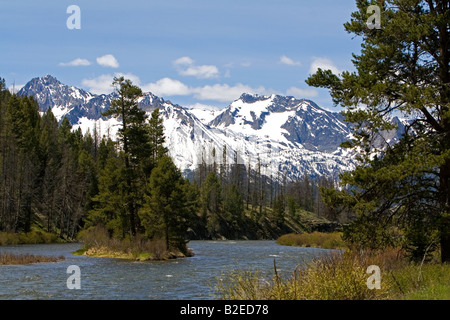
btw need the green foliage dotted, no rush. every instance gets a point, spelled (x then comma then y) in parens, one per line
(165, 213)
(402, 70)
(44, 170)
(141, 193)
(279, 209)
(233, 205)
(32, 237)
(58, 180)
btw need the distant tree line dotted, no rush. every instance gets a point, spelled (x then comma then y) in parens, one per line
(232, 193)
(48, 173)
(59, 180)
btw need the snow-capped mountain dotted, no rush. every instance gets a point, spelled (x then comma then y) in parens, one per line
(282, 134)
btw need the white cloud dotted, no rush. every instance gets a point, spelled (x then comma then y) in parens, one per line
(217, 92)
(108, 60)
(186, 67)
(289, 61)
(324, 64)
(167, 87)
(76, 63)
(301, 93)
(134, 78)
(225, 92)
(103, 83)
(170, 87)
(184, 61)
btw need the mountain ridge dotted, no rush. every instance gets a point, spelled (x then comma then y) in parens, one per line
(283, 135)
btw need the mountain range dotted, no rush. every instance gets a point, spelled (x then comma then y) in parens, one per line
(283, 135)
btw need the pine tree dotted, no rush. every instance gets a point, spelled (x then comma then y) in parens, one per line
(156, 139)
(403, 69)
(134, 142)
(233, 206)
(165, 212)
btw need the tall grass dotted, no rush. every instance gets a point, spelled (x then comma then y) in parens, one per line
(11, 258)
(314, 239)
(342, 276)
(336, 276)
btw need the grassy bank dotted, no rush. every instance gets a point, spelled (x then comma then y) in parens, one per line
(33, 237)
(343, 276)
(97, 243)
(10, 258)
(315, 239)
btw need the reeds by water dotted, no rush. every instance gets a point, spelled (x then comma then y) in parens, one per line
(8, 258)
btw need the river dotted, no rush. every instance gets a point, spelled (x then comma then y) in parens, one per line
(191, 278)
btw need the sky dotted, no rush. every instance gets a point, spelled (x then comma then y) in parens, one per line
(191, 52)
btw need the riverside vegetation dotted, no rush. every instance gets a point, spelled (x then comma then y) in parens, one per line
(342, 276)
(399, 194)
(11, 258)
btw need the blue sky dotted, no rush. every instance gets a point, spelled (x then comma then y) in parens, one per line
(203, 52)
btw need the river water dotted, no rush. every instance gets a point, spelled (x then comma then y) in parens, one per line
(191, 278)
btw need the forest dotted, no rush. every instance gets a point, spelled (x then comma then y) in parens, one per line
(61, 181)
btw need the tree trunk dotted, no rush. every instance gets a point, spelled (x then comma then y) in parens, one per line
(445, 224)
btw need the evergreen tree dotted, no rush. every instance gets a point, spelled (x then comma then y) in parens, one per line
(134, 142)
(279, 210)
(109, 209)
(233, 206)
(403, 69)
(157, 139)
(165, 212)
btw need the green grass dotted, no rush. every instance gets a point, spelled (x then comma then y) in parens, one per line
(314, 239)
(427, 282)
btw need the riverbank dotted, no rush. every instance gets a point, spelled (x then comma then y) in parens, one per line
(343, 276)
(7, 258)
(32, 237)
(315, 239)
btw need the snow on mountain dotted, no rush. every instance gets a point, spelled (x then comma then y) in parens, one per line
(203, 114)
(283, 134)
